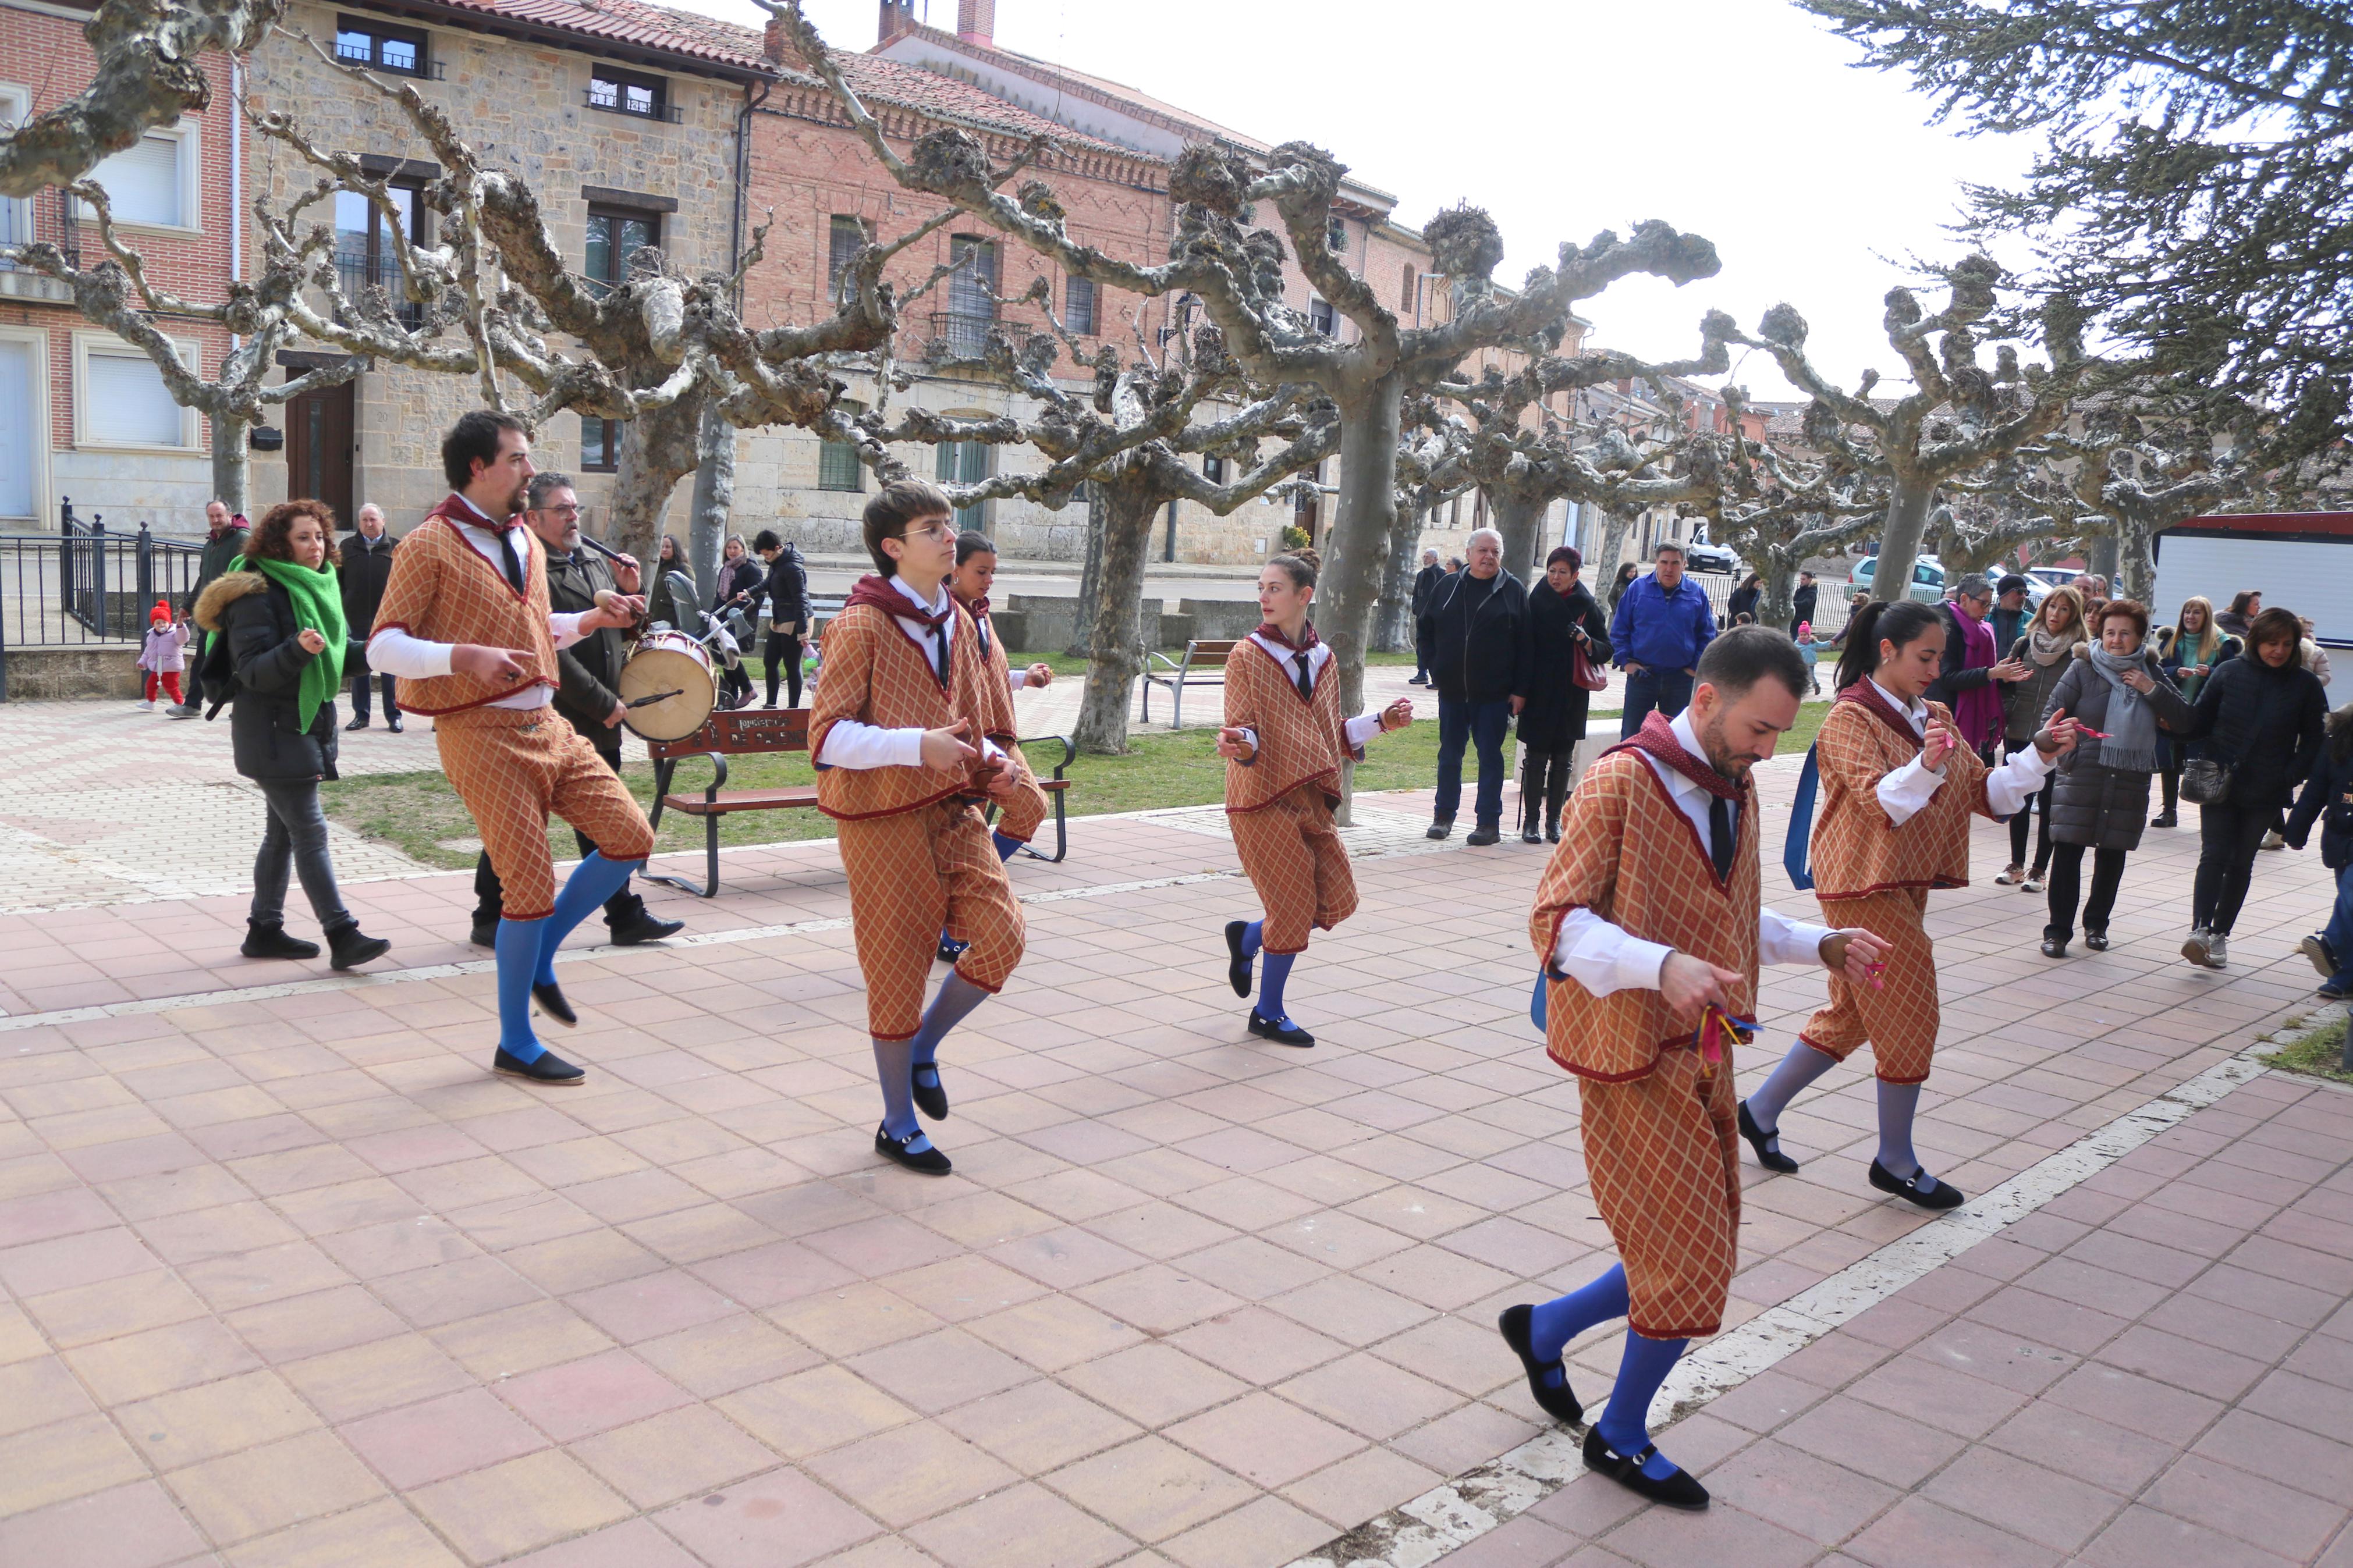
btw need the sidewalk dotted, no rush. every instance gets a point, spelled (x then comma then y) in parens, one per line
(290, 1280)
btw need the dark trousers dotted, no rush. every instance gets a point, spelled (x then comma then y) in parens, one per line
(489, 898)
(734, 686)
(360, 696)
(2228, 837)
(294, 841)
(1543, 785)
(1664, 692)
(1481, 724)
(2066, 884)
(1425, 632)
(2038, 808)
(2339, 934)
(783, 659)
(195, 672)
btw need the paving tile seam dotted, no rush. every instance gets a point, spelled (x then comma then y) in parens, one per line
(1419, 1532)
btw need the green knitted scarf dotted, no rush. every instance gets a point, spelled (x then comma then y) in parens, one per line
(319, 607)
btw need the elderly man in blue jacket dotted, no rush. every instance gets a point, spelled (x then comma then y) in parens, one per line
(1662, 624)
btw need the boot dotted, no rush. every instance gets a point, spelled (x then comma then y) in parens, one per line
(348, 947)
(1556, 796)
(268, 939)
(2171, 783)
(1531, 802)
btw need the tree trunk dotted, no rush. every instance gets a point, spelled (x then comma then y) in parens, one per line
(2136, 560)
(1117, 636)
(656, 451)
(1090, 576)
(714, 497)
(1520, 522)
(1392, 617)
(1776, 609)
(232, 464)
(1360, 536)
(1899, 541)
(2104, 555)
(1613, 547)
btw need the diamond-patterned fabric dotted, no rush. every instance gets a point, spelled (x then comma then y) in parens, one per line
(912, 875)
(1661, 1154)
(874, 675)
(1299, 743)
(1019, 817)
(1294, 859)
(511, 767)
(1856, 848)
(1630, 856)
(442, 589)
(1900, 1019)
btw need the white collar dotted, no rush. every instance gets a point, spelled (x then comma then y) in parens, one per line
(1916, 710)
(934, 608)
(486, 524)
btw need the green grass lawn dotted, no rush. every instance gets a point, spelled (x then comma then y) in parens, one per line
(418, 813)
(2321, 1053)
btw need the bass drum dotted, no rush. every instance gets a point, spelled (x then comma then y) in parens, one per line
(675, 669)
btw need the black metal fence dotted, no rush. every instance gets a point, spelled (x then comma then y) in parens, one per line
(90, 584)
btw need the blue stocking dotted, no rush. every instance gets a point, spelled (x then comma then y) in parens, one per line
(893, 1066)
(593, 881)
(1552, 1325)
(1800, 1069)
(518, 947)
(1625, 1423)
(1897, 1104)
(1253, 938)
(956, 999)
(1273, 974)
(1006, 847)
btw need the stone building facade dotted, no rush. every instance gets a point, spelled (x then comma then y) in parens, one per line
(83, 415)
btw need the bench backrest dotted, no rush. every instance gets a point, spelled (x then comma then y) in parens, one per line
(745, 732)
(1209, 655)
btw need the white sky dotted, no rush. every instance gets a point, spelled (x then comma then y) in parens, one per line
(1740, 119)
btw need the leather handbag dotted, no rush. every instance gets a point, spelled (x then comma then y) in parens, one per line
(1582, 671)
(2205, 782)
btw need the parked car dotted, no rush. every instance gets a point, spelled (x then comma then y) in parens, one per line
(2053, 576)
(1928, 585)
(1701, 556)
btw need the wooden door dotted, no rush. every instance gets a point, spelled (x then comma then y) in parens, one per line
(318, 448)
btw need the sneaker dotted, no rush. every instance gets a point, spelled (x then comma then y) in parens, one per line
(180, 710)
(2218, 950)
(147, 705)
(2275, 839)
(268, 939)
(2330, 991)
(2165, 819)
(2204, 948)
(2033, 884)
(2324, 957)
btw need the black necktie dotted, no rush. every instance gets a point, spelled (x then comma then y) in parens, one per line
(980, 625)
(514, 562)
(940, 646)
(1306, 681)
(1719, 834)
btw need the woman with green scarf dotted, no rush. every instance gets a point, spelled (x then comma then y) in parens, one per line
(278, 653)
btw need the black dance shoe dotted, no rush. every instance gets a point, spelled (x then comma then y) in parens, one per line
(1678, 1490)
(1942, 1195)
(546, 1067)
(930, 1163)
(933, 1099)
(1560, 1401)
(1760, 1140)
(550, 1000)
(1281, 1031)
(1237, 967)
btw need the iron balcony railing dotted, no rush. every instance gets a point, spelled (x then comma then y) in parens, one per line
(47, 216)
(90, 584)
(961, 334)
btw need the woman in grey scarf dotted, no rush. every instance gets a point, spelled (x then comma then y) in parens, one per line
(2101, 801)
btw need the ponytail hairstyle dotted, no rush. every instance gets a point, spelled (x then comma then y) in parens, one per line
(1898, 621)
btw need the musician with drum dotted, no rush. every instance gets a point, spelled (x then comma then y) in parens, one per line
(587, 673)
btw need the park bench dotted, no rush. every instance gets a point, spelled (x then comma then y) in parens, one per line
(1203, 662)
(761, 732)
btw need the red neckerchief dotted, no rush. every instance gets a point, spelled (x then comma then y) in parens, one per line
(885, 596)
(980, 607)
(1274, 634)
(1656, 738)
(1866, 691)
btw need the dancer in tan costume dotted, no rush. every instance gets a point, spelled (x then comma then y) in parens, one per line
(1650, 930)
(465, 626)
(1899, 785)
(899, 728)
(1283, 741)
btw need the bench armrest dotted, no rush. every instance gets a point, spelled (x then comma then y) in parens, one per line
(1069, 752)
(1162, 660)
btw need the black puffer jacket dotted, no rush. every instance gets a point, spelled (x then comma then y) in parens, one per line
(259, 666)
(1554, 714)
(787, 586)
(365, 569)
(2328, 796)
(2092, 804)
(1480, 651)
(2266, 724)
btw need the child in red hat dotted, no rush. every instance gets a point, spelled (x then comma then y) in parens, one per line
(163, 657)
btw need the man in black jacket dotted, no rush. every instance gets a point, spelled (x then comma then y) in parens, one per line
(366, 567)
(224, 547)
(1477, 661)
(586, 674)
(1425, 586)
(1802, 602)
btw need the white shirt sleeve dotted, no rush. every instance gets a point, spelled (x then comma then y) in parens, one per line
(1603, 957)
(1019, 677)
(988, 748)
(851, 744)
(563, 627)
(2017, 781)
(1250, 738)
(1903, 791)
(1780, 940)
(1363, 728)
(394, 652)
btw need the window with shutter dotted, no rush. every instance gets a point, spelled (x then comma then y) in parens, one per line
(126, 404)
(1079, 307)
(142, 182)
(600, 445)
(838, 467)
(966, 462)
(846, 238)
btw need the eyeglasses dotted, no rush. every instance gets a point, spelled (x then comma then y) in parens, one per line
(939, 529)
(573, 510)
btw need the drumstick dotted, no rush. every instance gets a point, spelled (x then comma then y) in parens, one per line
(657, 697)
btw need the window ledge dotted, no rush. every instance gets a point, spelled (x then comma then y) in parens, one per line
(133, 225)
(92, 444)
